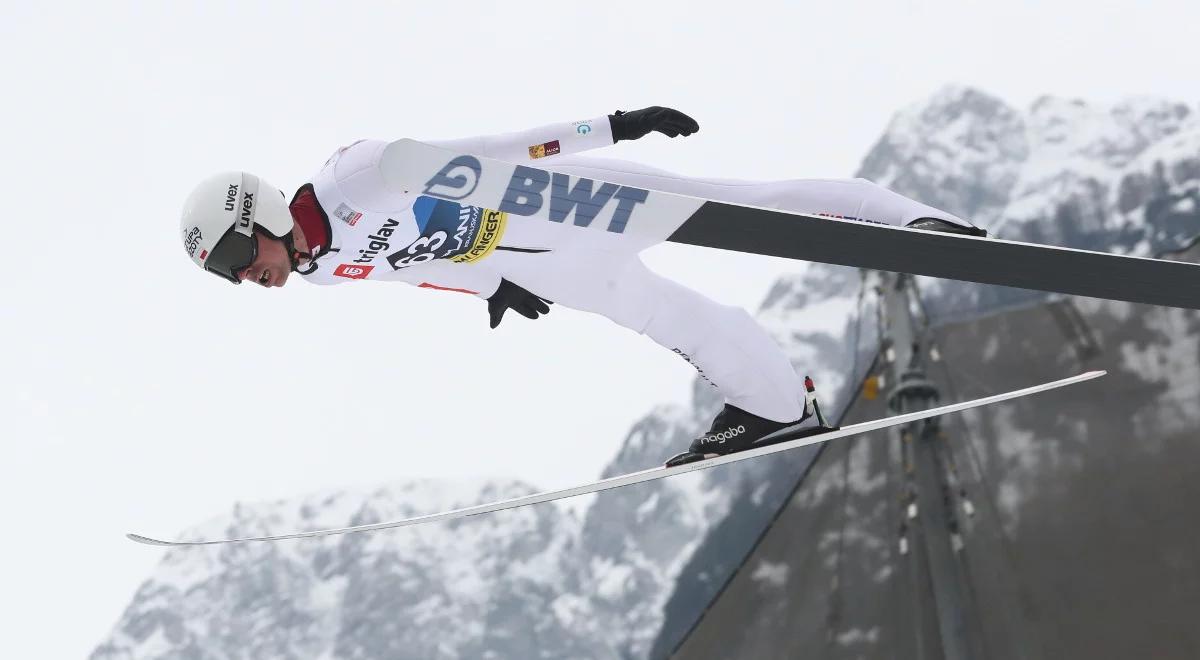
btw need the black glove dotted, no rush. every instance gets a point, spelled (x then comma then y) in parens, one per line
(636, 123)
(510, 295)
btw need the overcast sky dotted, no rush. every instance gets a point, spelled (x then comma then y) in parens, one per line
(140, 394)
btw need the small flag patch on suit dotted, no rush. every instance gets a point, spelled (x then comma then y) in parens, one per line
(347, 214)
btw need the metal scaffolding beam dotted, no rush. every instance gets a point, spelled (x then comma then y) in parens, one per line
(929, 531)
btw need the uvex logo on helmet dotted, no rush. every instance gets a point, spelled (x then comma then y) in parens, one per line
(231, 196)
(247, 215)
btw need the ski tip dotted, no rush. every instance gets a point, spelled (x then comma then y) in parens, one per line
(146, 540)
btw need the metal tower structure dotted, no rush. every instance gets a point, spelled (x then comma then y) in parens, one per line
(929, 538)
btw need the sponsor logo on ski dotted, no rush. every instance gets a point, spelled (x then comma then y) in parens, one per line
(456, 180)
(727, 434)
(839, 216)
(582, 127)
(542, 150)
(377, 242)
(191, 241)
(526, 190)
(352, 271)
(526, 193)
(492, 227)
(347, 215)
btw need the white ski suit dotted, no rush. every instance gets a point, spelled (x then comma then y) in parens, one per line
(375, 231)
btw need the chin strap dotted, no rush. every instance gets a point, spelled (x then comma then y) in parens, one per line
(294, 256)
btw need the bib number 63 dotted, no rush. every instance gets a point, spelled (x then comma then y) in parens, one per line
(421, 250)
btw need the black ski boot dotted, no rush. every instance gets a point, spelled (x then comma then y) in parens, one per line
(736, 430)
(933, 224)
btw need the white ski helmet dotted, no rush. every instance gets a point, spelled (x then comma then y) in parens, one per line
(219, 218)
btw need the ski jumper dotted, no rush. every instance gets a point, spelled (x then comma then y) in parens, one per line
(381, 234)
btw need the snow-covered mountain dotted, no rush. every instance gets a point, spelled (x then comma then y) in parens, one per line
(453, 590)
(1118, 178)
(533, 583)
(629, 577)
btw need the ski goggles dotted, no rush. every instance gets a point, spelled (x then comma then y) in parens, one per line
(237, 248)
(234, 252)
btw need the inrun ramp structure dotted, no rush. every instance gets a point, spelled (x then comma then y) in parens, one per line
(1066, 518)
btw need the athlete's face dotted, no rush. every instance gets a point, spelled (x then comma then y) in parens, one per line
(271, 267)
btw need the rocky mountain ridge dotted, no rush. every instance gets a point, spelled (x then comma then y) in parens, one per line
(1121, 178)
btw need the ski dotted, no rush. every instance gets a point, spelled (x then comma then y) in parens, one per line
(646, 475)
(537, 194)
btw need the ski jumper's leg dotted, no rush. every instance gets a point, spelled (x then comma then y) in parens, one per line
(853, 199)
(722, 342)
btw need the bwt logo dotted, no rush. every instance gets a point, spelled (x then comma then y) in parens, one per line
(527, 191)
